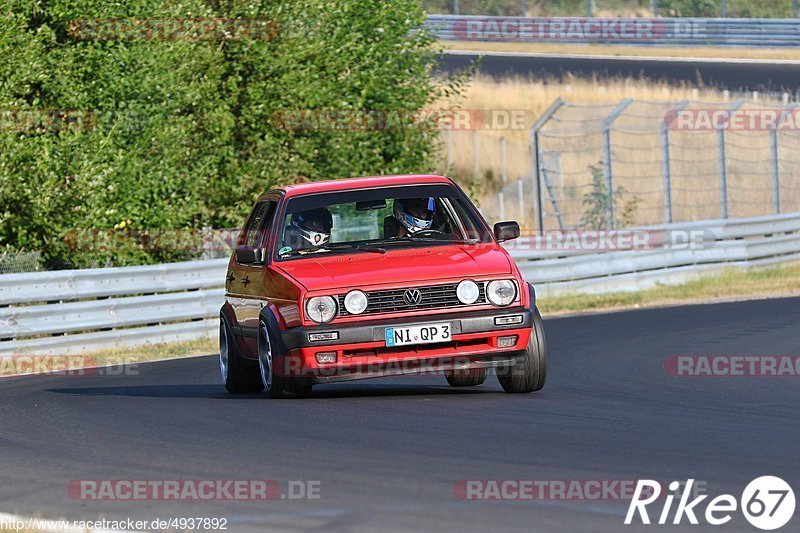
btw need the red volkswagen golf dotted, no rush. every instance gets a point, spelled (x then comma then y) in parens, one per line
(368, 277)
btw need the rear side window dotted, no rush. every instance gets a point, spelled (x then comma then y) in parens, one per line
(257, 224)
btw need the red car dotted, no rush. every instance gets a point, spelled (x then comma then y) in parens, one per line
(368, 277)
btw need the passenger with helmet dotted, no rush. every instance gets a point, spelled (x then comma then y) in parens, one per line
(307, 230)
(410, 215)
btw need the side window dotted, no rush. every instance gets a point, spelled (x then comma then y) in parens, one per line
(256, 230)
(251, 234)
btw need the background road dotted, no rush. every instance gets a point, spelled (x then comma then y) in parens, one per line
(733, 75)
(387, 452)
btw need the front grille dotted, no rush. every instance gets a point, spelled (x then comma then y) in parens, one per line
(433, 297)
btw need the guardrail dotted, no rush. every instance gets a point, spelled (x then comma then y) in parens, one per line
(636, 31)
(87, 310)
(75, 311)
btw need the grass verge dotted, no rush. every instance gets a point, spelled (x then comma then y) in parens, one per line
(732, 284)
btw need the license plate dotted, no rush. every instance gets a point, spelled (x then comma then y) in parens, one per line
(424, 334)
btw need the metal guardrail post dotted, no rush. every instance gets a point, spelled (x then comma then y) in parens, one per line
(607, 123)
(455, 7)
(665, 165)
(588, 8)
(449, 149)
(475, 160)
(520, 200)
(655, 8)
(501, 204)
(795, 8)
(503, 160)
(722, 163)
(776, 173)
(524, 8)
(724, 8)
(775, 158)
(536, 158)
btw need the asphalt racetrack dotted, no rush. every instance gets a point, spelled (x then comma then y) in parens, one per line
(734, 75)
(388, 453)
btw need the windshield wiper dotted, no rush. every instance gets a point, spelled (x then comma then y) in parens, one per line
(335, 247)
(352, 246)
(411, 238)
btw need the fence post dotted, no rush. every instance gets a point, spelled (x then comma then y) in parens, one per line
(724, 8)
(776, 173)
(520, 200)
(775, 157)
(655, 8)
(666, 166)
(536, 159)
(524, 8)
(607, 123)
(503, 160)
(449, 149)
(588, 8)
(501, 200)
(455, 7)
(722, 163)
(723, 174)
(795, 8)
(475, 160)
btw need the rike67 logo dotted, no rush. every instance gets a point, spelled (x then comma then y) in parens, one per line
(767, 503)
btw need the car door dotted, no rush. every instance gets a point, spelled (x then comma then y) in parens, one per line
(244, 282)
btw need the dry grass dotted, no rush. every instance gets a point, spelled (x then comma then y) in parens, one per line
(616, 50)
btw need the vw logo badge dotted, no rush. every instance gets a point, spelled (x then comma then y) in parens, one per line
(412, 297)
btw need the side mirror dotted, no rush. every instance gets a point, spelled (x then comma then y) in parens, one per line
(248, 254)
(506, 231)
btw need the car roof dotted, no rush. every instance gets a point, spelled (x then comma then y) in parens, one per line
(361, 183)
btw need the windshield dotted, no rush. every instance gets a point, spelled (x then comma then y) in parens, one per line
(377, 220)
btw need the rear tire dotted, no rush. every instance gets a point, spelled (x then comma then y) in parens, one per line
(238, 375)
(530, 371)
(276, 385)
(471, 377)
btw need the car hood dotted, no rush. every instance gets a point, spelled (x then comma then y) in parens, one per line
(404, 267)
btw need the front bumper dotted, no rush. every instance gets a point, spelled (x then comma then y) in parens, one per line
(361, 350)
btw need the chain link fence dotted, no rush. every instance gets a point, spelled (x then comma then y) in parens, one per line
(14, 262)
(637, 163)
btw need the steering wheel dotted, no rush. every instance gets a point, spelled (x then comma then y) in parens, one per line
(428, 233)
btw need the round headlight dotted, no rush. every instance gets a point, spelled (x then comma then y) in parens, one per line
(321, 309)
(467, 292)
(501, 292)
(355, 302)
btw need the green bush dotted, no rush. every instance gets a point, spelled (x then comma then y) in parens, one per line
(182, 133)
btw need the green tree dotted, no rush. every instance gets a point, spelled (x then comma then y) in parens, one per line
(182, 133)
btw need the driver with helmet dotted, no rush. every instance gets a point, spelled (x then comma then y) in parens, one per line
(308, 229)
(411, 215)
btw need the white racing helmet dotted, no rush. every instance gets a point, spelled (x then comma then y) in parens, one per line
(314, 225)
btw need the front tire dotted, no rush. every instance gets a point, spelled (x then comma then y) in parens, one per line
(274, 383)
(471, 377)
(530, 372)
(237, 375)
